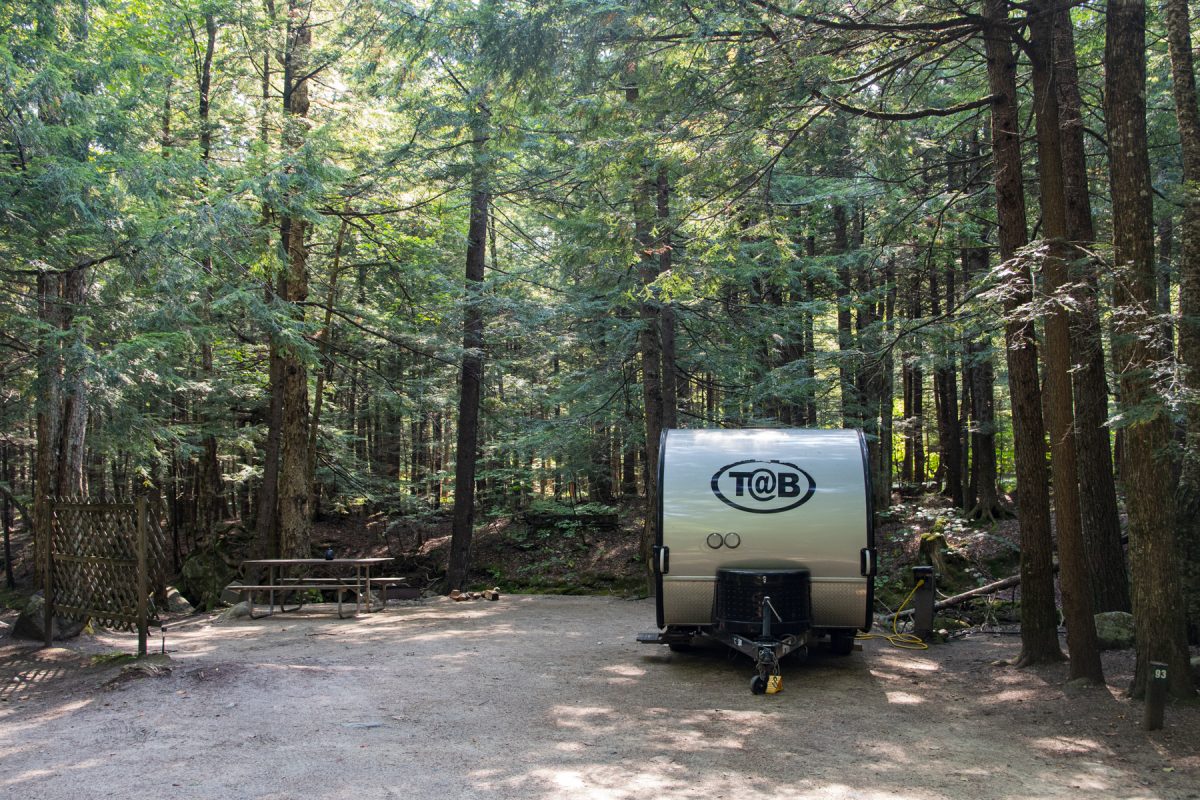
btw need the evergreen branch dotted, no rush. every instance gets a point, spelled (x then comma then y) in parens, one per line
(901, 116)
(972, 21)
(380, 334)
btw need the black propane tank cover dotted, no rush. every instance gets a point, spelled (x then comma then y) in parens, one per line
(738, 600)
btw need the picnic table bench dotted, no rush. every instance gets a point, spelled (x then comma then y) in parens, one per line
(355, 576)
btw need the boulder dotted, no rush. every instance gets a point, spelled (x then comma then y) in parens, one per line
(239, 611)
(229, 596)
(203, 578)
(30, 623)
(1114, 629)
(177, 603)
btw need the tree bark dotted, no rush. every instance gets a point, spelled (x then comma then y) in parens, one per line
(1039, 616)
(670, 389)
(324, 342)
(294, 514)
(945, 388)
(1073, 580)
(209, 469)
(62, 401)
(1100, 522)
(1146, 469)
(471, 382)
(851, 403)
(1187, 112)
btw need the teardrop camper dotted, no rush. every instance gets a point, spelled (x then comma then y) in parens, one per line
(764, 541)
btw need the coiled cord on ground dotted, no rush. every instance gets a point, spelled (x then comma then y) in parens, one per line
(904, 641)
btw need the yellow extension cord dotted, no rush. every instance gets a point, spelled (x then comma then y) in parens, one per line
(905, 641)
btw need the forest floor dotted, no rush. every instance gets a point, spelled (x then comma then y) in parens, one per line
(538, 696)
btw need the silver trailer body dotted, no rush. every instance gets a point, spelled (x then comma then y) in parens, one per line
(765, 500)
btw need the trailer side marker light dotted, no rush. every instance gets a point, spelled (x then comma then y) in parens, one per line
(732, 540)
(715, 541)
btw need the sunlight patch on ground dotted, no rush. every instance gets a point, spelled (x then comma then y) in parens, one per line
(29, 776)
(626, 670)
(1009, 696)
(461, 633)
(907, 661)
(593, 719)
(605, 782)
(890, 752)
(1068, 745)
(696, 741)
(904, 698)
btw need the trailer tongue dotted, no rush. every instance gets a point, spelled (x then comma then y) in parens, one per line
(764, 542)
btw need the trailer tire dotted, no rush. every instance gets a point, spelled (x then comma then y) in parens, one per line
(758, 685)
(841, 643)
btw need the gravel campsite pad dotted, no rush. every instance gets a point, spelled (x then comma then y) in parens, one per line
(550, 697)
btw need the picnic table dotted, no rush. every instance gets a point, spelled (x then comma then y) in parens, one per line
(338, 574)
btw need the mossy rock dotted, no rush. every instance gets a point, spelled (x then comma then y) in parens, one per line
(30, 623)
(203, 577)
(1114, 630)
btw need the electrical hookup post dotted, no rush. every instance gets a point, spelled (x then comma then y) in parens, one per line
(923, 598)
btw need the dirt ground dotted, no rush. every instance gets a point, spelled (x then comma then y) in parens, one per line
(550, 697)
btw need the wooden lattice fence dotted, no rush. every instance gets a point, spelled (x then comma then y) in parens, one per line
(104, 561)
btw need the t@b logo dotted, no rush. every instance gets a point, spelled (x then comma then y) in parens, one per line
(762, 487)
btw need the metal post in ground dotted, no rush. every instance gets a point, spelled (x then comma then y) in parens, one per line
(923, 599)
(1156, 696)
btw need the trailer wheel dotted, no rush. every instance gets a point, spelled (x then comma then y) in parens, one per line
(758, 685)
(841, 643)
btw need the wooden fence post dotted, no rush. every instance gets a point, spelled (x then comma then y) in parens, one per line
(47, 525)
(143, 581)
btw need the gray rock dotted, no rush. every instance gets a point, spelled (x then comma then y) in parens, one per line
(177, 603)
(238, 611)
(1114, 629)
(203, 578)
(30, 623)
(228, 595)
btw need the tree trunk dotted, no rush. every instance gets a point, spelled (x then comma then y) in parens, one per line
(1101, 524)
(883, 479)
(467, 448)
(979, 376)
(209, 471)
(945, 389)
(294, 514)
(851, 404)
(1146, 469)
(670, 390)
(1039, 616)
(324, 341)
(1187, 112)
(1073, 578)
(62, 401)
(650, 344)
(6, 515)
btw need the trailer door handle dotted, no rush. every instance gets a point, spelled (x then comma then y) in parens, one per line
(662, 559)
(866, 562)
